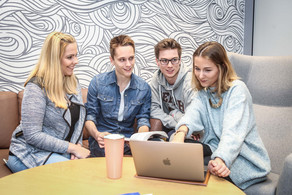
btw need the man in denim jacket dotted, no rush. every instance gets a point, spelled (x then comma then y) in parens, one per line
(115, 99)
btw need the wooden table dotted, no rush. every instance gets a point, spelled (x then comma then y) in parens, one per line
(88, 176)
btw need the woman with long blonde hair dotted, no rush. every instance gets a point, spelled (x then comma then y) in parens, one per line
(52, 113)
(223, 110)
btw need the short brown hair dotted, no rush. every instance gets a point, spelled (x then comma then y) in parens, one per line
(121, 40)
(167, 43)
(217, 54)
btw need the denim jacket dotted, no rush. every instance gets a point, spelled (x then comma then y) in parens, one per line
(103, 102)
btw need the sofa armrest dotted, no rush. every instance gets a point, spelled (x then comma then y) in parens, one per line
(284, 183)
(8, 117)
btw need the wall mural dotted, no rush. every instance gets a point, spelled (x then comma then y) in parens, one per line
(25, 24)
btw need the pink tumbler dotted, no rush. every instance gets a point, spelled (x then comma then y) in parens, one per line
(114, 152)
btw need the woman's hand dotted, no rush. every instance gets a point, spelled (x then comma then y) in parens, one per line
(73, 157)
(100, 138)
(196, 137)
(77, 151)
(180, 134)
(218, 167)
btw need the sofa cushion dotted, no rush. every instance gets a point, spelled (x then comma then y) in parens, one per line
(8, 117)
(268, 78)
(84, 97)
(275, 128)
(84, 92)
(3, 168)
(267, 187)
(270, 81)
(284, 184)
(19, 99)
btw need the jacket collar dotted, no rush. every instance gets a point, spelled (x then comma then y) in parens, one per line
(112, 78)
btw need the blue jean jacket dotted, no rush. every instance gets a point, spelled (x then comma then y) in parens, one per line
(103, 101)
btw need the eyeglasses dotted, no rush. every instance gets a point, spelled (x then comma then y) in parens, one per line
(174, 61)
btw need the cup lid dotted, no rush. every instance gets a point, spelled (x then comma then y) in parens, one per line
(114, 136)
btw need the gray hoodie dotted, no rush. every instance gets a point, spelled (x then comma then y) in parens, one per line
(169, 102)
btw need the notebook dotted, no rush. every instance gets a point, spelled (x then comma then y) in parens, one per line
(165, 160)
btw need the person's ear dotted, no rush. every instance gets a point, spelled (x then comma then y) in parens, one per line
(157, 62)
(112, 60)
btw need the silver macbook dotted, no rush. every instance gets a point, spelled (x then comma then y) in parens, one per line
(179, 161)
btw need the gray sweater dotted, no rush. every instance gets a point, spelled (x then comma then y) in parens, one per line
(168, 102)
(231, 133)
(44, 127)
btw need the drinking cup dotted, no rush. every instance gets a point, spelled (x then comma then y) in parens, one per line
(114, 152)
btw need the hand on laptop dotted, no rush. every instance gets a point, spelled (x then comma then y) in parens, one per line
(218, 167)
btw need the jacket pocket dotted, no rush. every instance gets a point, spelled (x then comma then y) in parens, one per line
(137, 102)
(106, 104)
(135, 106)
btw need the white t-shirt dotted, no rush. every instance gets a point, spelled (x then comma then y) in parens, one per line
(122, 104)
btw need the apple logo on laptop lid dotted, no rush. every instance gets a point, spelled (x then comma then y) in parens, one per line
(166, 162)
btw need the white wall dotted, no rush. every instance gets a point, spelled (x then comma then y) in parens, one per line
(272, 28)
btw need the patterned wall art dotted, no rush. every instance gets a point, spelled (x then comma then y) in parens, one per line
(25, 24)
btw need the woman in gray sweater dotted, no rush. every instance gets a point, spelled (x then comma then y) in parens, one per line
(52, 113)
(223, 110)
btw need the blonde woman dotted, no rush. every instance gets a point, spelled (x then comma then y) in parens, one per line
(52, 113)
(223, 109)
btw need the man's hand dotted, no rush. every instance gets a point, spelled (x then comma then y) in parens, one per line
(100, 138)
(143, 128)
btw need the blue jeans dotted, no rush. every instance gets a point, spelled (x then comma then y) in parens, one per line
(15, 164)
(57, 158)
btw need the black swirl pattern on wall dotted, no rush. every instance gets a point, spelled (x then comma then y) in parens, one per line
(25, 24)
(225, 22)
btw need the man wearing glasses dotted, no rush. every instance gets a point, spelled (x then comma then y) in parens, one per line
(170, 86)
(115, 99)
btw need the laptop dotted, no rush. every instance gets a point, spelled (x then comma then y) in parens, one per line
(177, 161)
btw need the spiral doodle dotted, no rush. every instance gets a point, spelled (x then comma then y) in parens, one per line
(24, 26)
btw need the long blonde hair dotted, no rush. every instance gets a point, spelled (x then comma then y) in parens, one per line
(48, 69)
(217, 54)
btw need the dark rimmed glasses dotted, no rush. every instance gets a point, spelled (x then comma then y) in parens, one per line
(164, 62)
